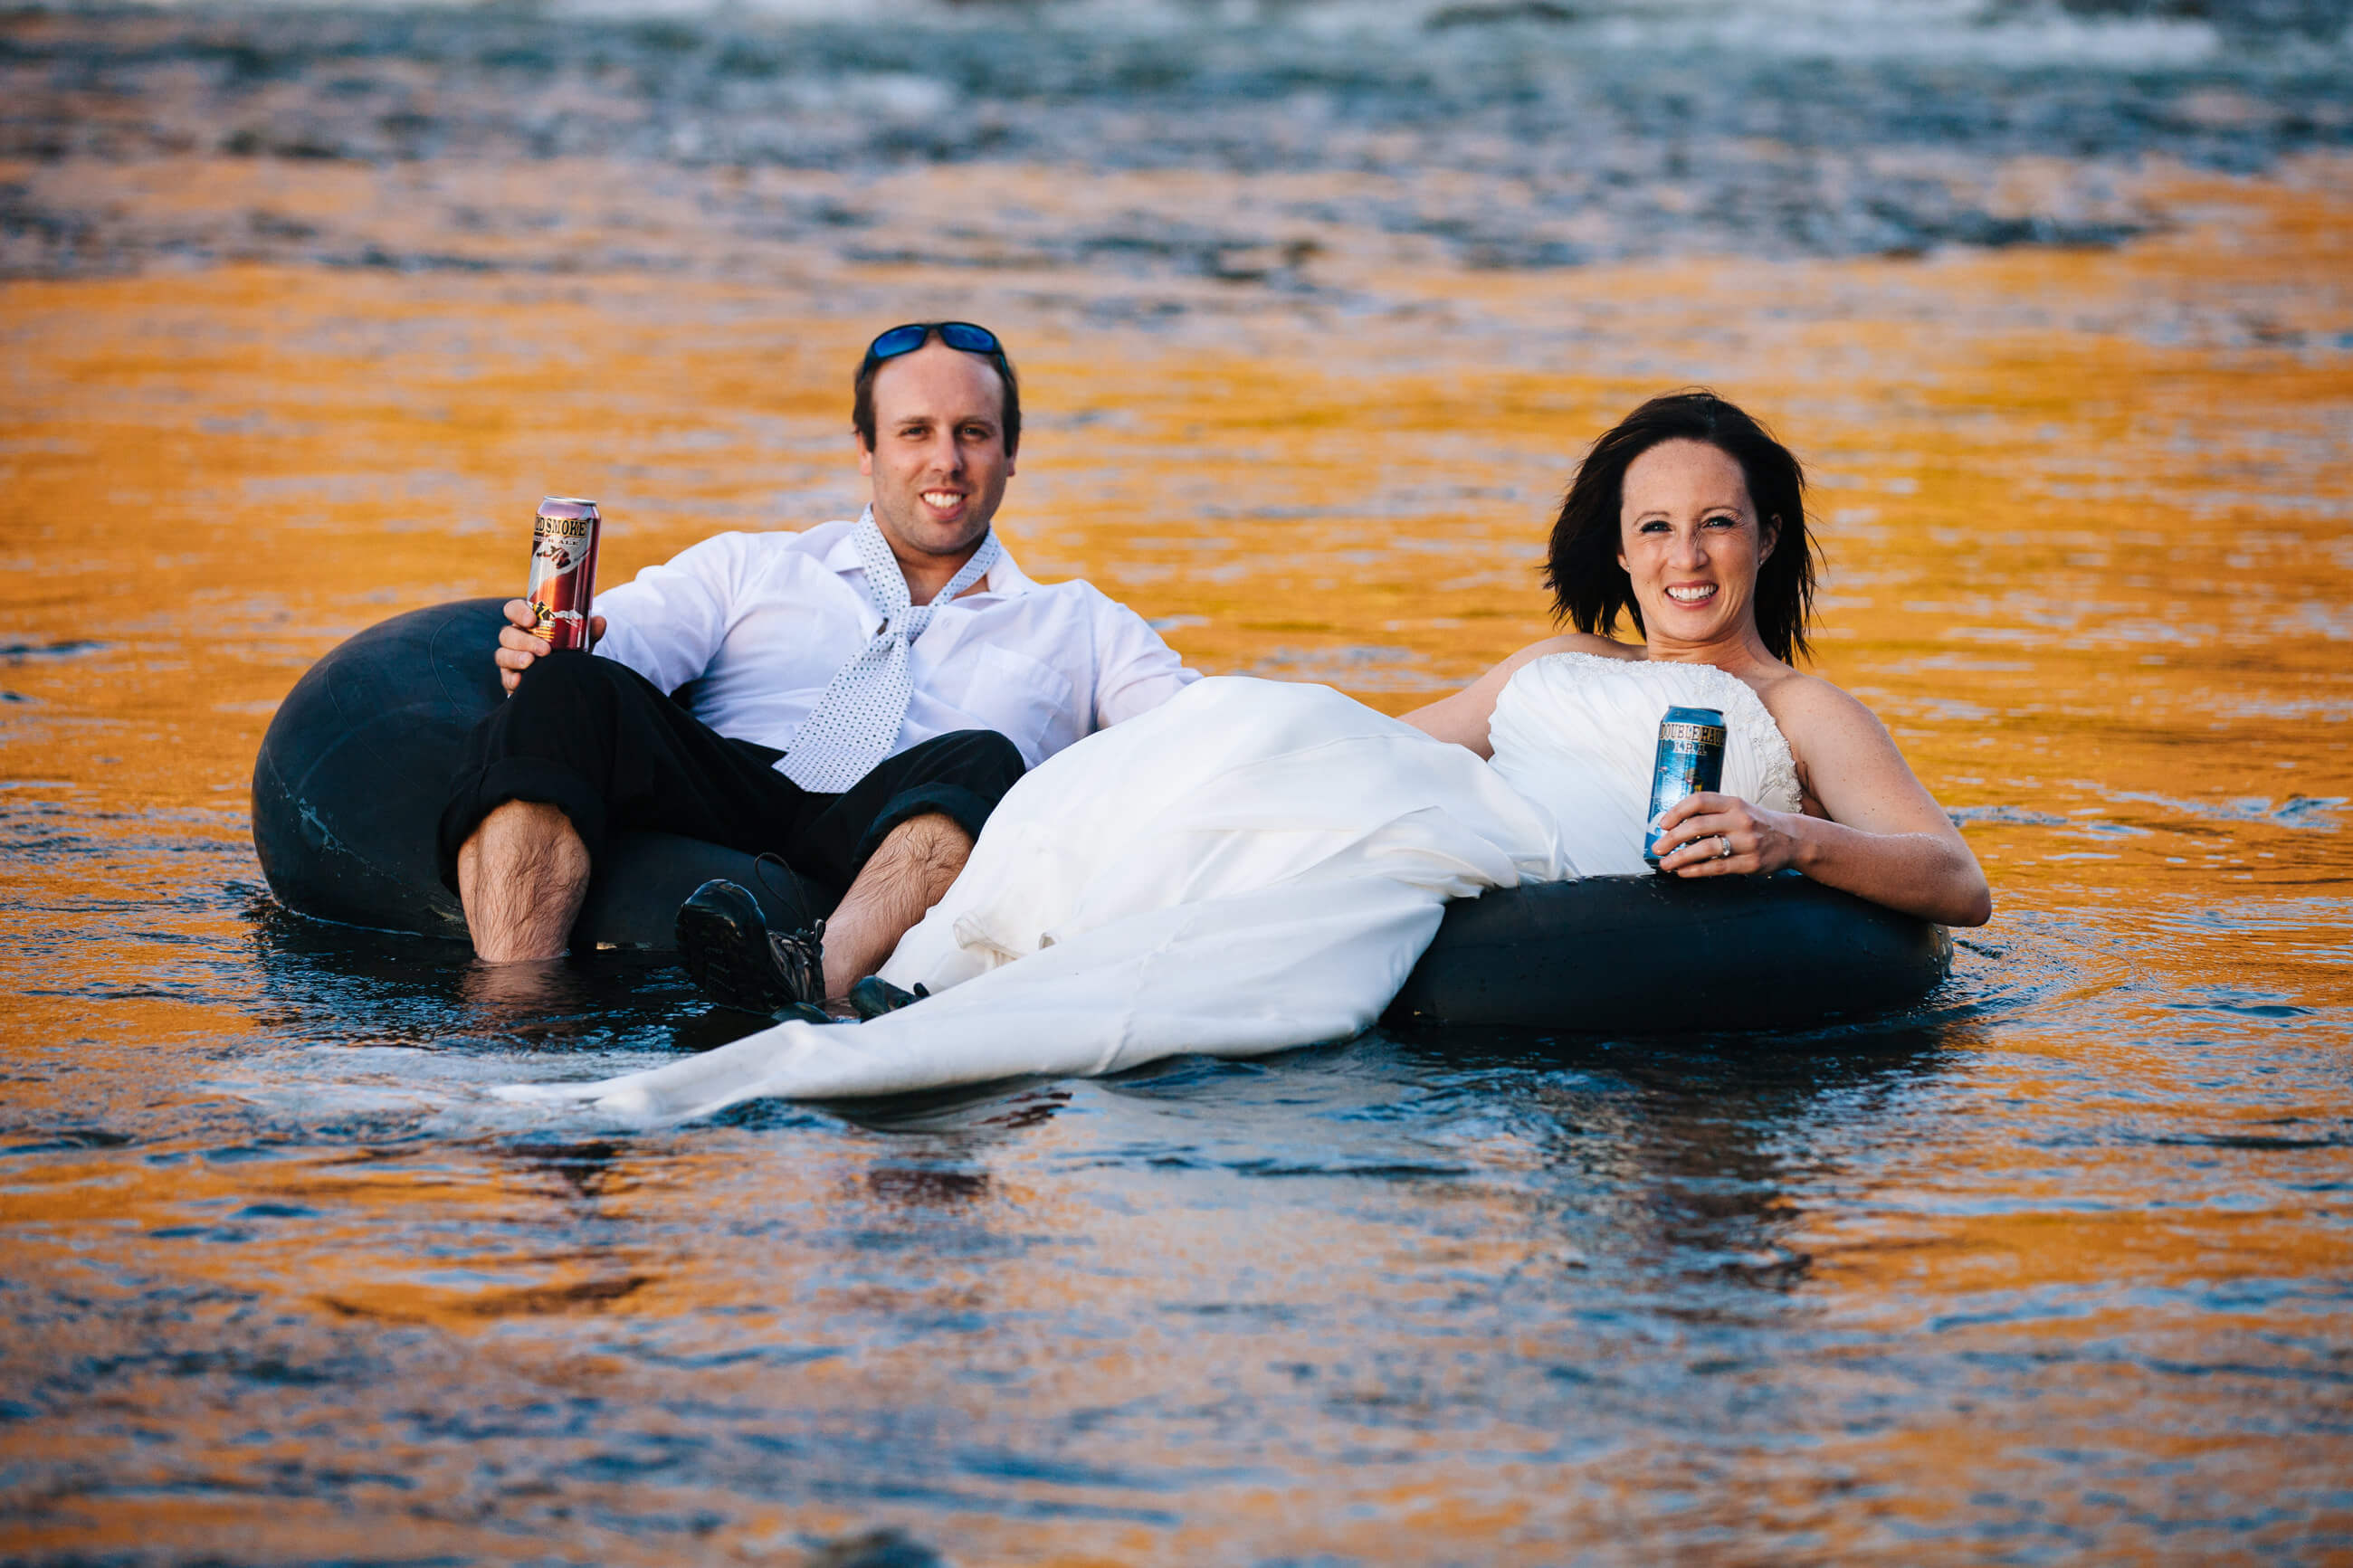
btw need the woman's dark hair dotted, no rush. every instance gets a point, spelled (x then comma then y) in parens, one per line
(1581, 569)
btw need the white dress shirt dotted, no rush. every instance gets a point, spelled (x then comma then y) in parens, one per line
(753, 626)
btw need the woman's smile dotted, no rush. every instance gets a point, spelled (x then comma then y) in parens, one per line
(1689, 539)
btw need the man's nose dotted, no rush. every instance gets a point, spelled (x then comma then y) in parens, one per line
(947, 454)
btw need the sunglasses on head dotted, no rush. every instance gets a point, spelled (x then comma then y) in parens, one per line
(907, 339)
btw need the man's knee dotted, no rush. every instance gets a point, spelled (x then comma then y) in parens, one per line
(981, 759)
(552, 741)
(531, 836)
(922, 855)
(567, 678)
(520, 876)
(934, 839)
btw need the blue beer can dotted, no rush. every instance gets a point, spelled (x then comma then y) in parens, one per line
(1691, 760)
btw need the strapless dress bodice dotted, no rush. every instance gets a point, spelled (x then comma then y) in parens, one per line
(1578, 733)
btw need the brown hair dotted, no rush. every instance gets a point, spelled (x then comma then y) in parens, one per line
(1581, 567)
(861, 392)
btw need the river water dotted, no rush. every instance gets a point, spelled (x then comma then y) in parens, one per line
(1316, 307)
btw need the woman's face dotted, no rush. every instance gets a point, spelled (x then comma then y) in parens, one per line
(1690, 538)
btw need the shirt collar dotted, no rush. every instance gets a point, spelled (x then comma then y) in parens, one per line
(1005, 580)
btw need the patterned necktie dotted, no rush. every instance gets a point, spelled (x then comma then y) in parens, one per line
(856, 722)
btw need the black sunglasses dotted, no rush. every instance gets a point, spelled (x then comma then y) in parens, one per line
(907, 339)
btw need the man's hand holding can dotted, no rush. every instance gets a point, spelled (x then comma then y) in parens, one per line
(554, 612)
(519, 644)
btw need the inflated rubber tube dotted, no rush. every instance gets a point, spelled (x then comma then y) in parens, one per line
(348, 789)
(350, 781)
(1653, 955)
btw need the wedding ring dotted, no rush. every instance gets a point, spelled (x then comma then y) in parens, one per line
(1725, 852)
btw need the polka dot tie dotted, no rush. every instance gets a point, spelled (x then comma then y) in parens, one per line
(856, 723)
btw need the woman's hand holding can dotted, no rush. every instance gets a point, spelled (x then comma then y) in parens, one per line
(1713, 835)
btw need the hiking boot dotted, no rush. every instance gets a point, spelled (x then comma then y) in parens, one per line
(873, 996)
(736, 961)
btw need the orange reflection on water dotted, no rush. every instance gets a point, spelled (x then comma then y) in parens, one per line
(2087, 523)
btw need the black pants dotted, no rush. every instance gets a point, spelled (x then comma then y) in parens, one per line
(603, 745)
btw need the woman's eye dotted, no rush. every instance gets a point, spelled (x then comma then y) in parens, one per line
(1727, 521)
(1654, 525)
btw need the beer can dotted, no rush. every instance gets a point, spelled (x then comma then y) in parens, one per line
(1689, 760)
(563, 570)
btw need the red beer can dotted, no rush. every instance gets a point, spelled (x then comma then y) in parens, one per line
(563, 570)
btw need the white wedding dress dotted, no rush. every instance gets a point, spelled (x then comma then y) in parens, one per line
(1252, 866)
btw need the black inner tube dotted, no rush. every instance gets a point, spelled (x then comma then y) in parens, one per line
(1652, 954)
(351, 775)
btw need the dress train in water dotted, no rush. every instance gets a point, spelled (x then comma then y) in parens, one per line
(1254, 866)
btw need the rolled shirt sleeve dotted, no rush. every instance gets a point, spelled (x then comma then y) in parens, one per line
(1134, 671)
(668, 622)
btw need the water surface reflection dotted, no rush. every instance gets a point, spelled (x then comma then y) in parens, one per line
(2052, 1268)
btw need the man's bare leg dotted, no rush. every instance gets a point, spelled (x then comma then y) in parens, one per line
(904, 878)
(522, 877)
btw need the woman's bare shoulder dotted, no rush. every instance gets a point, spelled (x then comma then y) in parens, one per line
(1804, 703)
(1463, 717)
(1570, 642)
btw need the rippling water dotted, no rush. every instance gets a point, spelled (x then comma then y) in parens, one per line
(1316, 306)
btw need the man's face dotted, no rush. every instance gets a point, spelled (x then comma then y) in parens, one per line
(939, 463)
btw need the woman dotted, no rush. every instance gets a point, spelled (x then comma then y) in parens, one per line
(1691, 518)
(1256, 865)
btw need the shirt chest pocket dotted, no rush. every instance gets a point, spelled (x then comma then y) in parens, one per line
(1030, 703)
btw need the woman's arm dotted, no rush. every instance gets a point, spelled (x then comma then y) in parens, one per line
(1886, 840)
(1463, 717)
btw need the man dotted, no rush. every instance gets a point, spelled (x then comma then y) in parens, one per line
(862, 695)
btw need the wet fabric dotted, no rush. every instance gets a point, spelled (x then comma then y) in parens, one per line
(1253, 866)
(602, 744)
